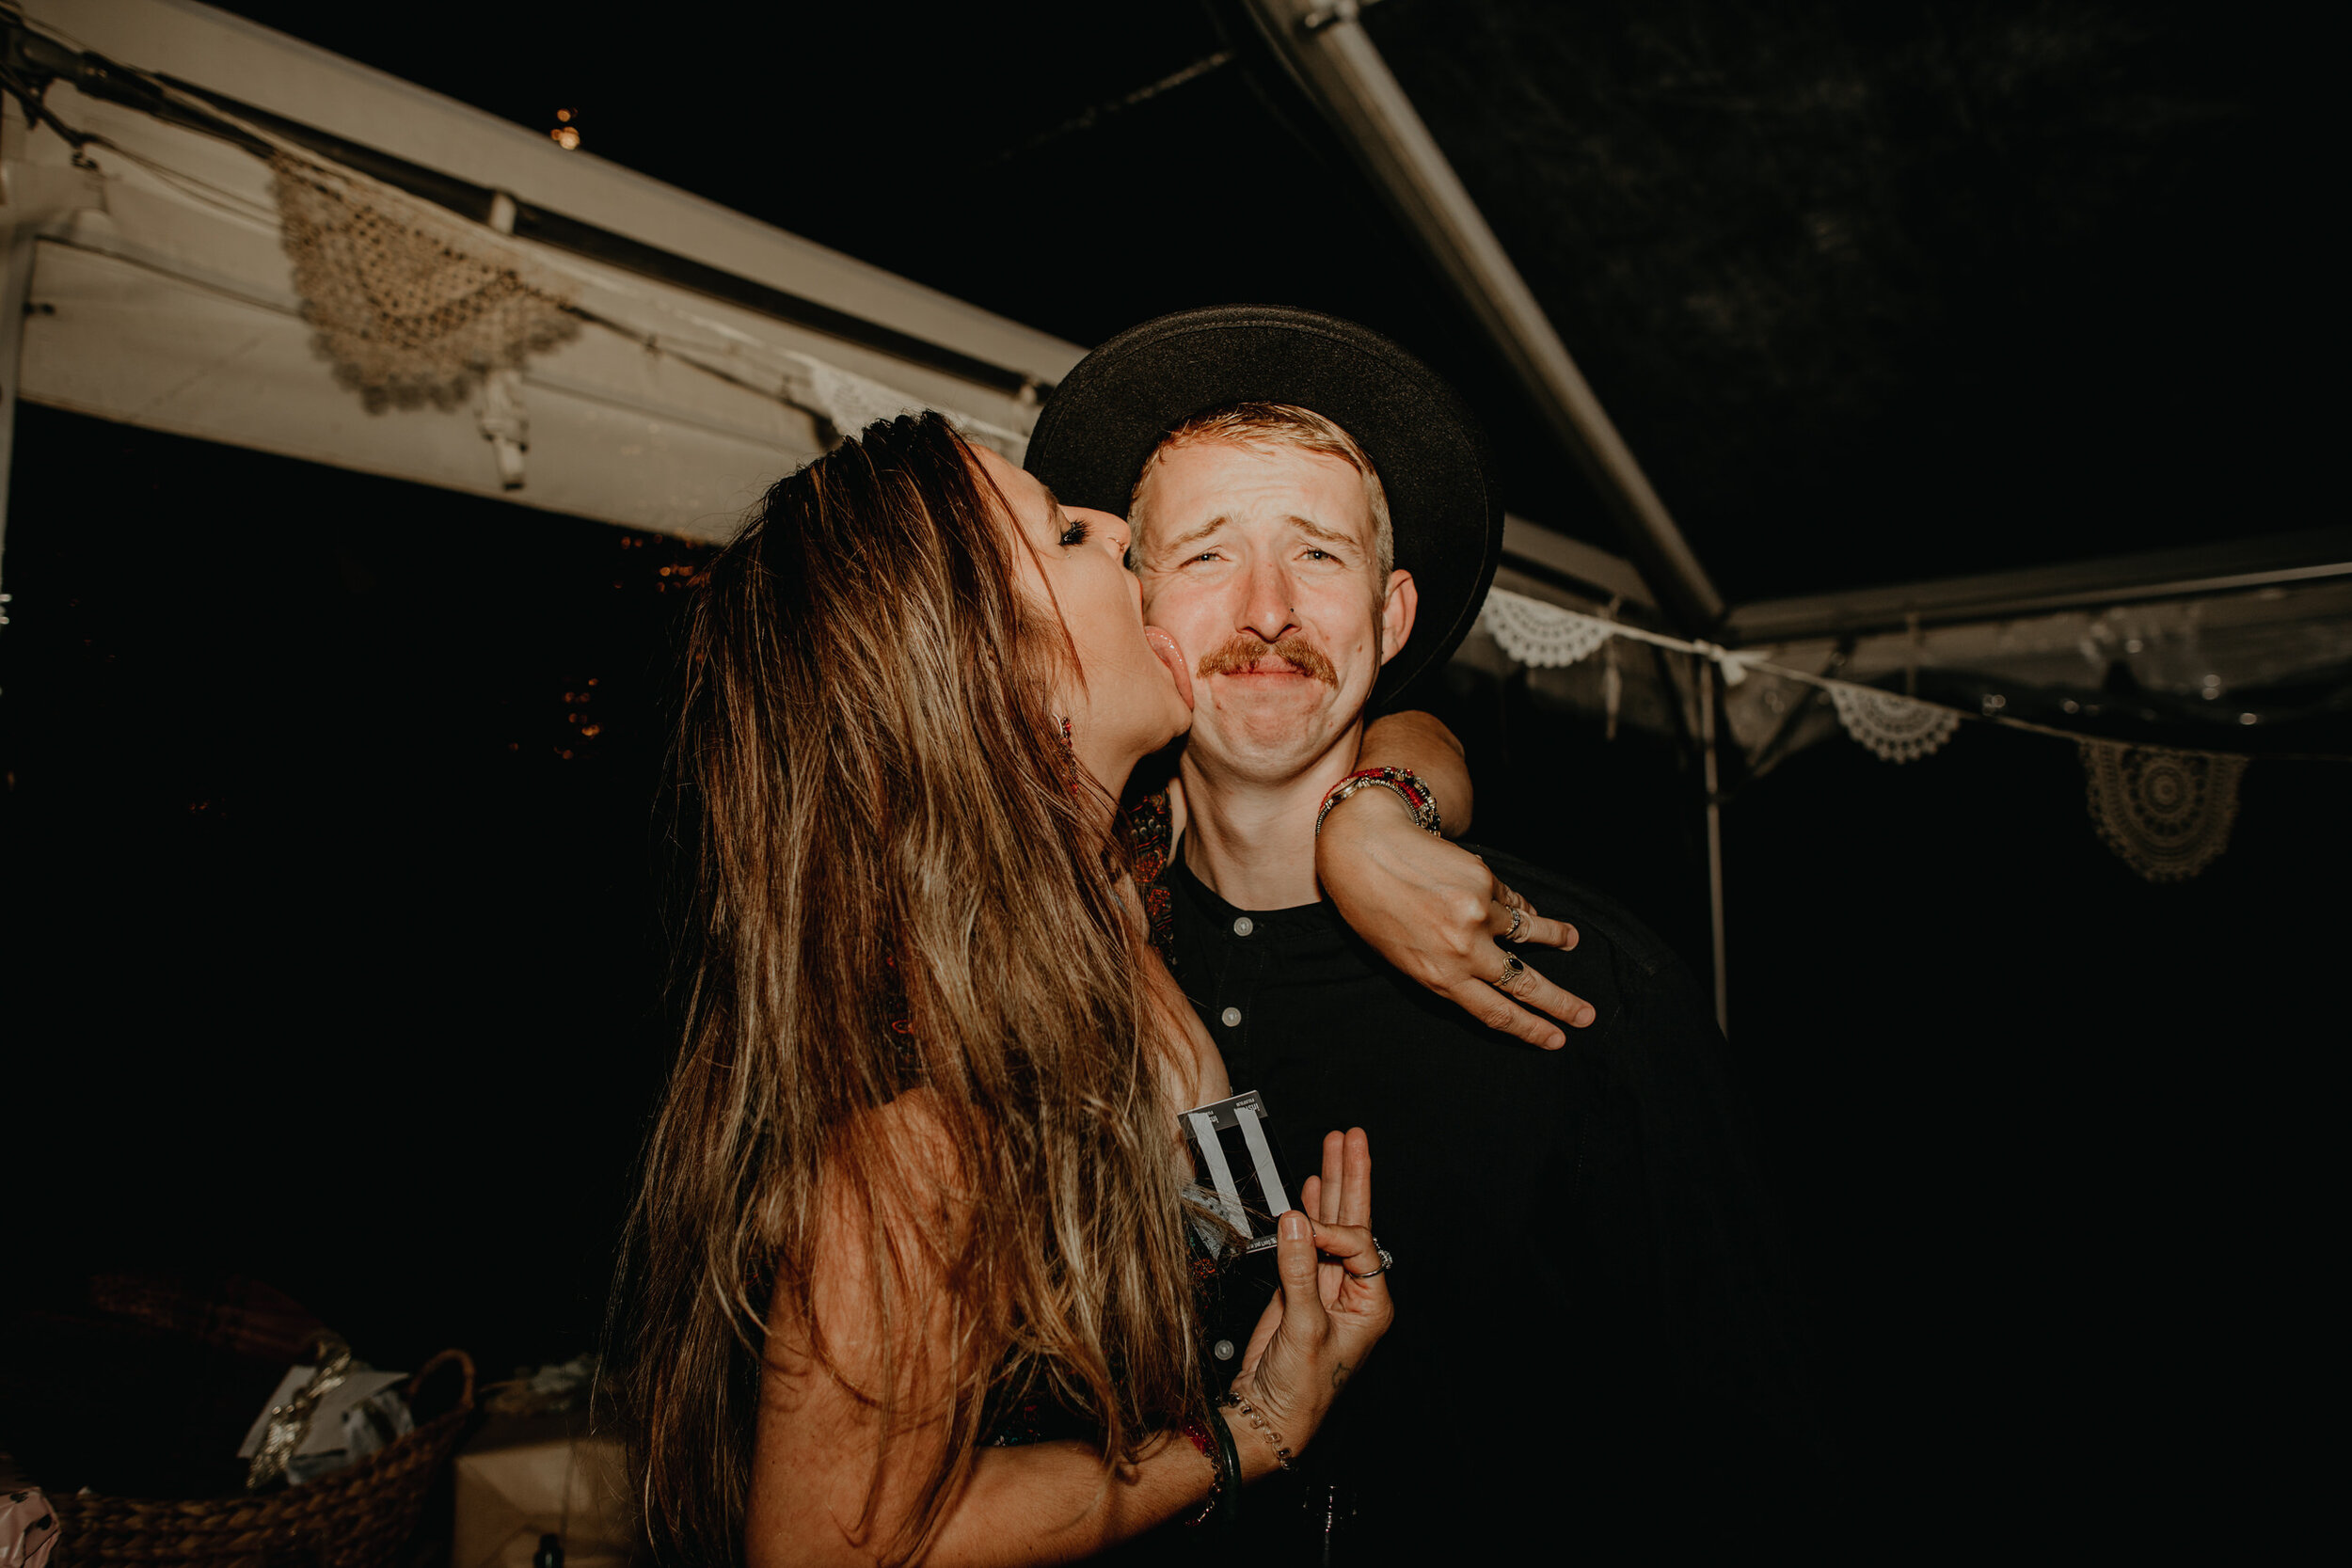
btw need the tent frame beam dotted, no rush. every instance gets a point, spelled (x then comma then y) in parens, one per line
(2236, 565)
(163, 96)
(2239, 565)
(1326, 49)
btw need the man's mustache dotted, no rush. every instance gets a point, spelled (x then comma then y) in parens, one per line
(1242, 652)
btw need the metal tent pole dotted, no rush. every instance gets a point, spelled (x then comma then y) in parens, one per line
(32, 201)
(1335, 59)
(16, 278)
(1706, 675)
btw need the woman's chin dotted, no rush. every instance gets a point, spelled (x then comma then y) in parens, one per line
(1176, 725)
(1179, 727)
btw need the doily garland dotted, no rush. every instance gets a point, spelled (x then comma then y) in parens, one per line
(849, 402)
(410, 307)
(413, 306)
(2167, 813)
(1538, 635)
(1895, 728)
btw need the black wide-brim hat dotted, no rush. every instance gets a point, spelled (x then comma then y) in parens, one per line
(1108, 415)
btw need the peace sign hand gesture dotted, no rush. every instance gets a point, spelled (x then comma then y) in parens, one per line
(1333, 1305)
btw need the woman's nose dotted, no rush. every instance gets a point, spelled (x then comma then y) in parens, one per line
(1107, 530)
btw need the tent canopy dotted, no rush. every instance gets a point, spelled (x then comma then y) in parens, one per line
(715, 351)
(2012, 291)
(157, 290)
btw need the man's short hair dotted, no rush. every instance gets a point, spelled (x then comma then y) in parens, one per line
(1279, 424)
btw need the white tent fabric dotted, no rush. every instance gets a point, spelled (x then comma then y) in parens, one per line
(156, 291)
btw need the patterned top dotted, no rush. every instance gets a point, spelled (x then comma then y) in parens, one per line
(1152, 825)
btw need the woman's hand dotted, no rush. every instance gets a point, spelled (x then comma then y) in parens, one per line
(1330, 1311)
(1436, 913)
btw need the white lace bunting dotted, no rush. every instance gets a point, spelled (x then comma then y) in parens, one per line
(1895, 728)
(1539, 634)
(2167, 813)
(415, 305)
(412, 306)
(849, 402)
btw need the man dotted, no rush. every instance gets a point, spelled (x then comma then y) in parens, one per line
(1594, 1352)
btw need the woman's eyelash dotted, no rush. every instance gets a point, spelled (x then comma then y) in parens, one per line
(1075, 533)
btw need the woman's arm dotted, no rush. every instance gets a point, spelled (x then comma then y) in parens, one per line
(1432, 909)
(814, 1461)
(1415, 741)
(1050, 1503)
(1419, 744)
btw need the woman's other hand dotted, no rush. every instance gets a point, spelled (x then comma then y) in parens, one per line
(1332, 1309)
(1436, 913)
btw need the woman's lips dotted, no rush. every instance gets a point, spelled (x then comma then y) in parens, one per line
(1173, 656)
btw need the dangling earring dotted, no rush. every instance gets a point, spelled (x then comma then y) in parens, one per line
(1068, 759)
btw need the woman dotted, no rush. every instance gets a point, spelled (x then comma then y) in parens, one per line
(918, 1172)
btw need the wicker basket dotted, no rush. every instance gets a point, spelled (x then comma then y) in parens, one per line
(354, 1518)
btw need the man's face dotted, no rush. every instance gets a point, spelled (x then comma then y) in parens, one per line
(1259, 562)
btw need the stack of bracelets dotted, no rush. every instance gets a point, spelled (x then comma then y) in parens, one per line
(1224, 1468)
(1213, 1437)
(1403, 781)
(1265, 1427)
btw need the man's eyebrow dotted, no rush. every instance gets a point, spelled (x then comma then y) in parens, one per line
(1194, 536)
(1313, 530)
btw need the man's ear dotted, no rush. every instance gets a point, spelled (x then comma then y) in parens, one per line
(1396, 612)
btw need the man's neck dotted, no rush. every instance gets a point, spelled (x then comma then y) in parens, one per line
(1251, 841)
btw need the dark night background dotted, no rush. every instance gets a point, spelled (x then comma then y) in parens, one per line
(332, 953)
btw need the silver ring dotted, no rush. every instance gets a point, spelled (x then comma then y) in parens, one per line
(1518, 918)
(1512, 967)
(1388, 1261)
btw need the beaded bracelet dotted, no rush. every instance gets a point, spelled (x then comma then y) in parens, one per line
(1265, 1427)
(1196, 1432)
(1407, 786)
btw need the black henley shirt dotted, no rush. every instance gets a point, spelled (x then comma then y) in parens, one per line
(1596, 1352)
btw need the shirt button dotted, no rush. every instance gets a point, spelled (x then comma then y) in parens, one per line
(1232, 1016)
(1223, 1349)
(1242, 926)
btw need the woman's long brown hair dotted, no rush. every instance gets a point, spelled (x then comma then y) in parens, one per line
(878, 804)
